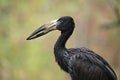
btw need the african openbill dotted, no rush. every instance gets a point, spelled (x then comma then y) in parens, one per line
(80, 63)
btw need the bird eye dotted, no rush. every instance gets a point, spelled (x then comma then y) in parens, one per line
(61, 21)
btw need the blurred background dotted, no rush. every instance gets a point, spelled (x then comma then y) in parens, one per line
(97, 28)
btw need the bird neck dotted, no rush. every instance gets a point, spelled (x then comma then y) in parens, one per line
(60, 50)
(60, 44)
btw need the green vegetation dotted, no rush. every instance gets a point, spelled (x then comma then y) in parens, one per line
(28, 60)
(33, 60)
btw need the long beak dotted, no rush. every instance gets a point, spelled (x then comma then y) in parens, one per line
(44, 29)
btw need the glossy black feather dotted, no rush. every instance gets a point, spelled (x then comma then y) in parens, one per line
(80, 63)
(84, 64)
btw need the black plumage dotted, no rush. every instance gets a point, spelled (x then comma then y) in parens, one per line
(80, 63)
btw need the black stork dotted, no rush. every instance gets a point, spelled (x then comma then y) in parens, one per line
(80, 63)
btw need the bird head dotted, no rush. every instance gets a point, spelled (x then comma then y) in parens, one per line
(62, 24)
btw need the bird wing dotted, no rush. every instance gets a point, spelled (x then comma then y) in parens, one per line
(85, 62)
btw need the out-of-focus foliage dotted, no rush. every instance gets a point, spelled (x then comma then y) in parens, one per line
(34, 60)
(28, 60)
